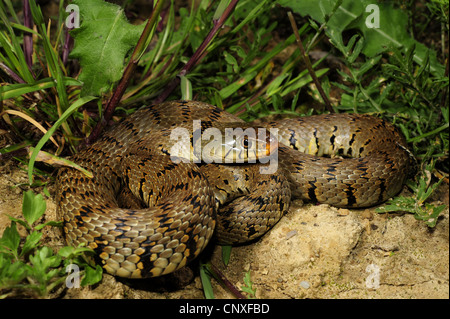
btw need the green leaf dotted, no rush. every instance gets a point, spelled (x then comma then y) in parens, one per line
(206, 281)
(186, 88)
(31, 242)
(11, 273)
(231, 60)
(53, 223)
(72, 252)
(10, 239)
(275, 85)
(431, 214)
(43, 259)
(248, 288)
(92, 275)
(226, 254)
(66, 251)
(20, 221)
(370, 63)
(101, 43)
(223, 4)
(33, 207)
(399, 204)
(15, 90)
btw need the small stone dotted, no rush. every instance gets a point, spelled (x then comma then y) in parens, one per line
(305, 284)
(290, 234)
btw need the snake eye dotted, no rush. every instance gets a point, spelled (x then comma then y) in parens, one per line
(246, 143)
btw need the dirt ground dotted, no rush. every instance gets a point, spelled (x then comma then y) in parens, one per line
(315, 251)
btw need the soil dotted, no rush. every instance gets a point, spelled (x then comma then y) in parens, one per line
(315, 251)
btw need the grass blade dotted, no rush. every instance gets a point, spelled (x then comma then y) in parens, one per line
(50, 132)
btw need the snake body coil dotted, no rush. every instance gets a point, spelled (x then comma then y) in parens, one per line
(146, 215)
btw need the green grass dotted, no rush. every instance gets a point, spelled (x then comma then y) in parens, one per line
(239, 55)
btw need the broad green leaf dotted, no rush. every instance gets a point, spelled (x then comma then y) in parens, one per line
(92, 275)
(101, 43)
(33, 206)
(10, 239)
(66, 251)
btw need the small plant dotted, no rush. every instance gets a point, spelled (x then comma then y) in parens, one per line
(208, 271)
(248, 286)
(31, 268)
(416, 204)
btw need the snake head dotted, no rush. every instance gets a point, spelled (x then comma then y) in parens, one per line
(236, 143)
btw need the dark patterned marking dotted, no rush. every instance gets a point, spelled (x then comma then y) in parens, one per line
(85, 209)
(383, 189)
(182, 186)
(141, 185)
(252, 231)
(311, 191)
(258, 200)
(351, 199)
(293, 140)
(352, 140)
(169, 167)
(193, 174)
(216, 113)
(316, 138)
(128, 125)
(332, 140)
(206, 124)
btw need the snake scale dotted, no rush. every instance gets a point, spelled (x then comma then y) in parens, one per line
(147, 214)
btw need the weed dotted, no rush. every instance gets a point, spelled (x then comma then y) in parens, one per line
(416, 204)
(248, 286)
(29, 267)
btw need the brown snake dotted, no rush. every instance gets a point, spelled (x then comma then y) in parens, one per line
(148, 215)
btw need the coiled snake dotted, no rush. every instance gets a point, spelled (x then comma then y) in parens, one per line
(147, 213)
